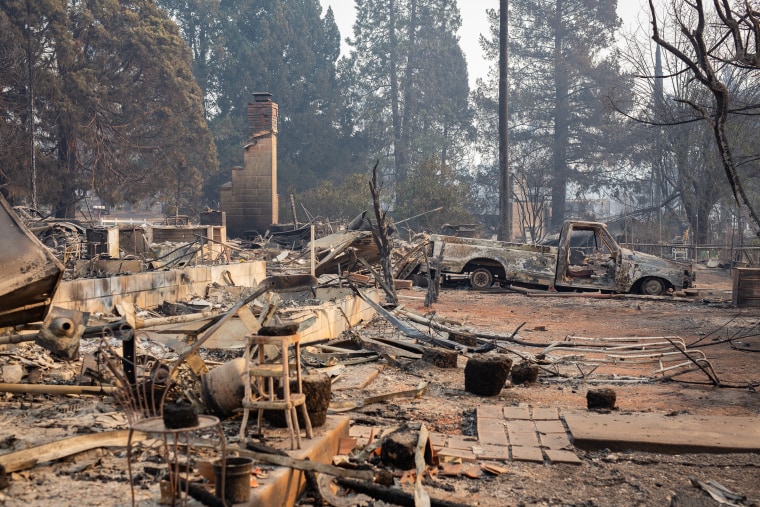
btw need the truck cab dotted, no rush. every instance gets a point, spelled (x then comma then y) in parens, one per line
(590, 258)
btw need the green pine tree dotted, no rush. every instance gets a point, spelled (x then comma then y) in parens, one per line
(563, 72)
(406, 83)
(118, 112)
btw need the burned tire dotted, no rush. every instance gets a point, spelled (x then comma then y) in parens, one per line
(481, 278)
(652, 287)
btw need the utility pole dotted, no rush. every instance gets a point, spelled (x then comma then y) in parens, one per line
(505, 215)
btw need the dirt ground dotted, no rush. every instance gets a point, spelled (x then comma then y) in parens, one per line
(729, 338)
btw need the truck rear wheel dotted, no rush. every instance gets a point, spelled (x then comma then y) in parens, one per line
(481, 278)
(652, 287)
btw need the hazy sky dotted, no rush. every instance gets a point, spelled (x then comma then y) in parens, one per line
(474, 22)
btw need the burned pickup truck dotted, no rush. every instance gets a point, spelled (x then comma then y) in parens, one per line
(585, 257)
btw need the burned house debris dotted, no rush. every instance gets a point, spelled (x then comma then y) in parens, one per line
(362, 401)
(167, 364)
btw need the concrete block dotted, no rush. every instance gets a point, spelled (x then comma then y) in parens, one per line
(461, 442)
(284, 485)
(494, 452)
(545, 413)
(555, 440)
(521, 426)
(491, 431)
(655, 432)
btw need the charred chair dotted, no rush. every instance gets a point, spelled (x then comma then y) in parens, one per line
(264, 373)
(144, 402)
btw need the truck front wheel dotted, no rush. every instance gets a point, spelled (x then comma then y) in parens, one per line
(652, 287)
(481, 278)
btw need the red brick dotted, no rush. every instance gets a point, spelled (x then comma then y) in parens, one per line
(467, 456)
(557, 456)
(490, 412)
(550, 427)
(523, 439)
(532, 454)
(517, 413)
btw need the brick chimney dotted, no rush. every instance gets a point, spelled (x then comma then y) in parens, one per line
(262, 115)
(250, 200)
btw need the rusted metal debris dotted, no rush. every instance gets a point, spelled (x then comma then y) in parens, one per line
(31, 273)
(586, 257)
(667, 353)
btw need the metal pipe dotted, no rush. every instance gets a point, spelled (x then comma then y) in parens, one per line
(57, 389)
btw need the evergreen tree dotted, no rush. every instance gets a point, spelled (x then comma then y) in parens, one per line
(13, 114)
(563, 71)
(284, 47)
(201, 25)
(118, 111)
(31, 29)
(431, 184)
(406, 81)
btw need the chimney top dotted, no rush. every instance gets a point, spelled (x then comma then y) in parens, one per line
(262, 97)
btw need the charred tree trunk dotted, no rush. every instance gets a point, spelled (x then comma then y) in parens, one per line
(381, 232)
(398, 149)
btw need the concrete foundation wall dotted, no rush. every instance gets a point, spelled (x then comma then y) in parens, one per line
(330, 321)
(148, 290)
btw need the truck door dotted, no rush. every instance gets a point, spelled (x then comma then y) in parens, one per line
(588, 257)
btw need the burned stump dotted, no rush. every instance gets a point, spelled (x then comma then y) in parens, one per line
(441, 358)
(399, 448)
(318, 390)
(486, 375)
(601, 399)
(467, 339)
(524, 373)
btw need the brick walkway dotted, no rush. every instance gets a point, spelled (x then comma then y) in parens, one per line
(523, 433)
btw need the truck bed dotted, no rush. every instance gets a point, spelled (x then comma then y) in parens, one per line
(514, 262)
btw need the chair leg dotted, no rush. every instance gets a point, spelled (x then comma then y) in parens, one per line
(294, 417)
(289, 422)
(243, 424)
(307, 421)
(129, 464)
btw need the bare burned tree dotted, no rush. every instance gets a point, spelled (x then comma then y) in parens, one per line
(381, 232)
(734, 40)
